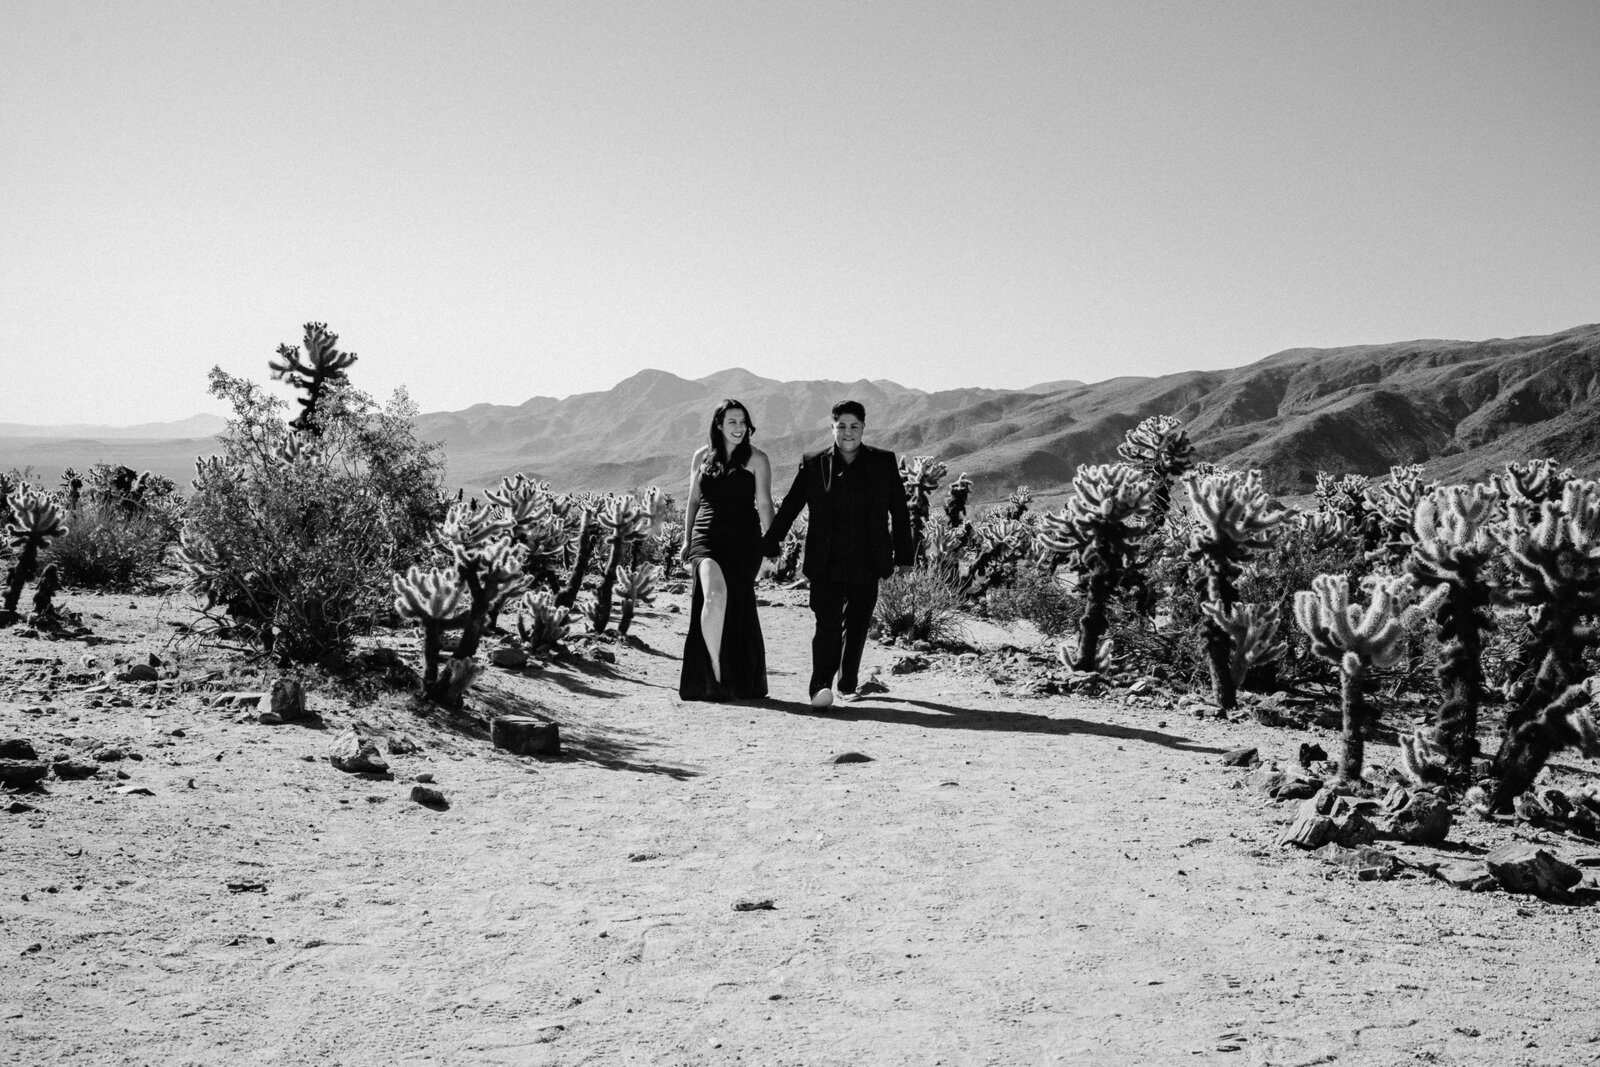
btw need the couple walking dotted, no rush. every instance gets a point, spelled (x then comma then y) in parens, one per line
(858, 532)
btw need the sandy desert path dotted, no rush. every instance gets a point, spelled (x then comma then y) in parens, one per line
(1006, 880)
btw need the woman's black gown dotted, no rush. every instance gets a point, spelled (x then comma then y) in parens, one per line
(727, 530)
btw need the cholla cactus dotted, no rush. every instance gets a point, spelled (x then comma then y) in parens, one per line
(584, 533)
(955, 505)
(535, 524)
(543, 625)
(71, 485)
(436, 599)
(1453, 543)
(1160, 447)
(469, 527)
(1016, 504)
(1394, 510)
(44, 591)
(941, 547)
(1252, 631)
(1232, 515)
(790, 551)
(1323, 529)
(1554, 557)
(321, 365)
(622, 522)
(921, 475)
(635, 585)
(1527, 485)
(1358, 639)
(1096, 535)
(35, 521)
(1000, 543)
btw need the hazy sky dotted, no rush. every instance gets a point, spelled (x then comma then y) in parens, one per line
(491, 201)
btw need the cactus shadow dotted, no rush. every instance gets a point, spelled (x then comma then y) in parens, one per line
(581, 742)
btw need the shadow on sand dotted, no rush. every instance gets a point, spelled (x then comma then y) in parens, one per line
(937, 716)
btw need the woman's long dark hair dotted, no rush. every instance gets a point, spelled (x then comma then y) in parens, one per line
(717, 458)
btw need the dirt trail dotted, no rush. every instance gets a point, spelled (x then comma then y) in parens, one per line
(1006, 881)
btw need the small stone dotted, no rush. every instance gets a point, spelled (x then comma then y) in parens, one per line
(1525, 868)
(425, 777)
(17, 748)
(523, 735)
(1366, 863)
(602, 655)
(139, 672)
(132, 790)
(1416, 818)
(429, 797)
(227, 700)
(288, 702)
(71, 770)
(909, 664)
(1470, 875)
(851, 757)
(1311, 753)
(509, 658)
(1308, 831)
(402, 745)
(1241, 757)
(17, 807)
(355, 754)
(110, 754)
(754, 905)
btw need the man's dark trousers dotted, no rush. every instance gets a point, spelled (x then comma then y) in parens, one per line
(836, 645)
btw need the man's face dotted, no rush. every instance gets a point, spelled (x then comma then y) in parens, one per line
(847, 433)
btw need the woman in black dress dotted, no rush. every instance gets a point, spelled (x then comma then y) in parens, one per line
(730, 506)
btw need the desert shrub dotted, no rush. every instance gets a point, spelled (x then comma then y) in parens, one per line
(920, 605)
(1036, 596)
(296, 531)
(105, 548)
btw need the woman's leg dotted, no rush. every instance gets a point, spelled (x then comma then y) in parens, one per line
(713, 609)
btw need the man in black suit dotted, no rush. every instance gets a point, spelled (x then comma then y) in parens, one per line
(855, 495)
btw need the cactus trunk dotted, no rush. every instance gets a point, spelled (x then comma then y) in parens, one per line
(1094, 622)
(1353, 703)
(580, 563)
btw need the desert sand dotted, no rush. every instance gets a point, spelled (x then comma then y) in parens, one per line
(1007, 879)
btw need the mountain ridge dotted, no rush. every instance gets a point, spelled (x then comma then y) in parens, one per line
(1461, 408)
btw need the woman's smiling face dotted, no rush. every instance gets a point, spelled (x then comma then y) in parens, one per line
(735, 425)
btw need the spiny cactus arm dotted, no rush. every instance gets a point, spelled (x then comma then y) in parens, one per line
(466, 526)
(429, 594)
(35, 519)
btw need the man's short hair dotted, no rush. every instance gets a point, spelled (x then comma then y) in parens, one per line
(850, 407)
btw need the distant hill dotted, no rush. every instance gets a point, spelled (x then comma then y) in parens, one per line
(1462, 408)
(193, 426)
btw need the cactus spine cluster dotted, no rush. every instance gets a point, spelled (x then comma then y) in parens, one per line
(1097, 535)
(1358, 639)
(1232, 517)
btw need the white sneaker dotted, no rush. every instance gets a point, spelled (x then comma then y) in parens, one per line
(822, 698)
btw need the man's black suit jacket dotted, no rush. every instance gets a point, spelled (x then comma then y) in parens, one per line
(886, 504)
